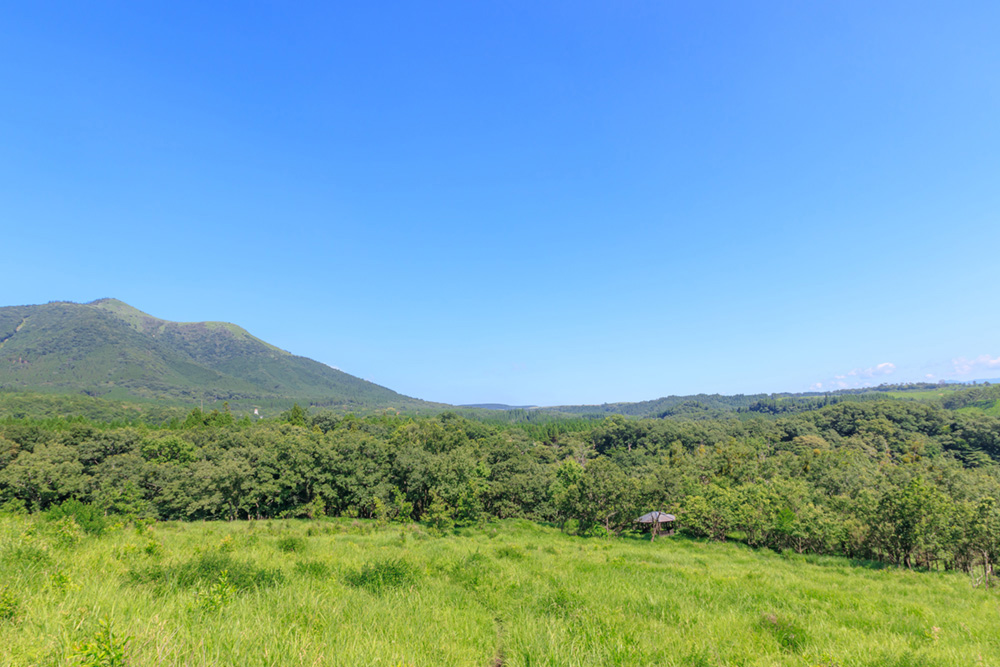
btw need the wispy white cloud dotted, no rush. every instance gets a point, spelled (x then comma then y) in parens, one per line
(957, 369)
(965, 366)
(885, 368)
(857, 377)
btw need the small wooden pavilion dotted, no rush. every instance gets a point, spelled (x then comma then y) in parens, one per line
(658, 521)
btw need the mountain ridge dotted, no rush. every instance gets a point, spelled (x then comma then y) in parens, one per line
(109, 348)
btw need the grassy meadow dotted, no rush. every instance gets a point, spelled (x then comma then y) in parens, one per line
(346, 592)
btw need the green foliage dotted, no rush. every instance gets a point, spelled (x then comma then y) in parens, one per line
(67, 531)
(14, 507)
(207, 569)
(561, 603)
(10, 604)
(296, 416)
(87, 517)
(789, 635)
(119, 353)
(382, 575)
(153, 548)
(217, 595)
(104, 649)
(439, 516)
(510, 551)
(396, 510)
(887, 480)
(313, 568)
(291, 544)
(60, 581)
(168, 448)
(517, 589)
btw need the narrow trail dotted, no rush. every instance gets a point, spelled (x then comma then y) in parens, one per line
(499, 659)
(16, 329)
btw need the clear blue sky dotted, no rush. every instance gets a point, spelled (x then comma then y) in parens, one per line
(522, 202)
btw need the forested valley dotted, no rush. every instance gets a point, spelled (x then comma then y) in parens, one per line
(902, 482)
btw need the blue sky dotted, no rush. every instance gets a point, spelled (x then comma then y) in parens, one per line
(522, 202)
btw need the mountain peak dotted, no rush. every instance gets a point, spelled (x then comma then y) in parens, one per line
(134, 317)
(109, 348)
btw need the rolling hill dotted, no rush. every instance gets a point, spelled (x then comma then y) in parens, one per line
(109, 349)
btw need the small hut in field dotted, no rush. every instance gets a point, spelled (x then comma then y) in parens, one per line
(659, 521)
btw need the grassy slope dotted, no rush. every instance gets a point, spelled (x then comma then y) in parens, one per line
(992, 410)
(513, 594)
(926, 394)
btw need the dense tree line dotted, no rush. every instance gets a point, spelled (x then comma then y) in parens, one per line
(894, 481)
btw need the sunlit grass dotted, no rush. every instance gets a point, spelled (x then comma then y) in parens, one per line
(346, 593)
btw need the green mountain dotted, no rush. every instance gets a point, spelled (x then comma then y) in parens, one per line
(109, 349)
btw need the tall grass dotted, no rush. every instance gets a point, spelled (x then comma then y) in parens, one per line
(510, 594)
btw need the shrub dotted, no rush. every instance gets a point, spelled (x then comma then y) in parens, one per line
(10, 604)
(217, 595)
(209, 567)
(26, 556)
(313, 568)
(153, 548)
(60, 581)
(439, 516)
(382, 575)
(67, 531)
(88, 517)
(511, 552)
(291, 544)
(14, 507)
(101, 650)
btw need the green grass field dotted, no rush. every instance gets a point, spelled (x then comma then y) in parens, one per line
(514, 593)
(924, 394)
(991, 409)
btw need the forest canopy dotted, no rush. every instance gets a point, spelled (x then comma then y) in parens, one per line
(897, 481)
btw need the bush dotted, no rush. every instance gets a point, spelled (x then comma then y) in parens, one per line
(313, 568)
(153, 548)
(60, 581)
(102, 650)
(439, 516)
(10, 604)
(382, 575)
(511, 552)
(209, 568)
(291, 544)
(14, 507)
(67, 531)
(88, 517)
(217, 595)
(26, 556)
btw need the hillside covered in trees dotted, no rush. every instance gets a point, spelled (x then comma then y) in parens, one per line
(888, 480)
(109, 349)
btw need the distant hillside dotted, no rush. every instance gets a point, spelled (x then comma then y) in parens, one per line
(665, 406)
(495, 406)
(109, 349)
(715, 406)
